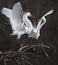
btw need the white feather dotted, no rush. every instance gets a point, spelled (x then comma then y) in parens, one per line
(27, 22)
(21, 24)
(7, 12)
(15, 16)
(36, 30)
(17, 11)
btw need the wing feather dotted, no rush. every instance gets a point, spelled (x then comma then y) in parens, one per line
(7, 12)
(17, 11)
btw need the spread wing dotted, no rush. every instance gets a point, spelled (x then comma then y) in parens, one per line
(17, 11)
(7, 12)
(17, 24)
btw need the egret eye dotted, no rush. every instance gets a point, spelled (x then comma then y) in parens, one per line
(24, 24)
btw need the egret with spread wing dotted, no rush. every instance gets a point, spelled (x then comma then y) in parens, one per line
(16, 19)
(21, 24)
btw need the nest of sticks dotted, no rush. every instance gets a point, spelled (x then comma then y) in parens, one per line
(21, 55)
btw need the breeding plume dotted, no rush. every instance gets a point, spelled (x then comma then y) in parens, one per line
(21, 24)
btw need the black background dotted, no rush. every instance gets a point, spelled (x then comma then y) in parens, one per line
(49, 32)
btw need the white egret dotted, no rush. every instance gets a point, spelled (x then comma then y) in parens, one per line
(35, 33)
(16, 19)
(27, 22)
(21, 24)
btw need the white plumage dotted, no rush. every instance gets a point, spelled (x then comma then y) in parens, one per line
(21, 24)
(27, 22)
(36, 30)
(15, 16)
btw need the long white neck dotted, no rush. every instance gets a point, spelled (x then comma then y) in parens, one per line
(28, 23)
(25, 18)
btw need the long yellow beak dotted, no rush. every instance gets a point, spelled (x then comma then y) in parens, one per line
(35, 17)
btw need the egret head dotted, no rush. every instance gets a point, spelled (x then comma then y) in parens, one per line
(28, 14)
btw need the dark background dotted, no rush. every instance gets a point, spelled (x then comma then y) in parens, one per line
(49, 32)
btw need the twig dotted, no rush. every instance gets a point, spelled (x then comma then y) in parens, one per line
(1, 58)
(46, 53)
(4, 60)
(20, 49)
(18, 61)
(36, 46)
